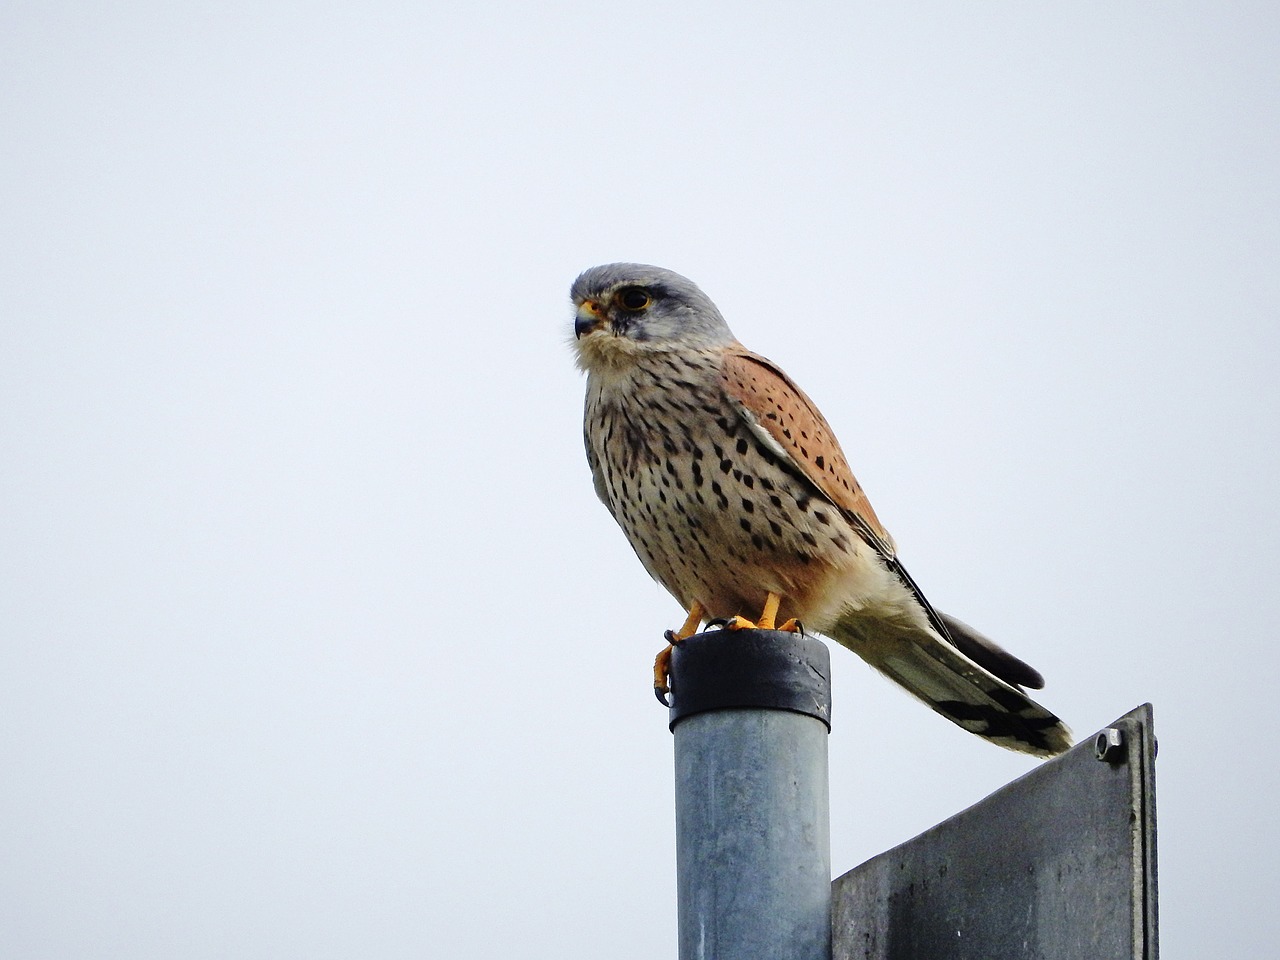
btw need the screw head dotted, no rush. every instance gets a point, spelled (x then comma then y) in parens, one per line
(1108, 746)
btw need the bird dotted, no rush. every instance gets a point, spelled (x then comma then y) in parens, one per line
(736, 496)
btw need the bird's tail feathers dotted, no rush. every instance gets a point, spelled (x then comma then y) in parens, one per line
(955, 685)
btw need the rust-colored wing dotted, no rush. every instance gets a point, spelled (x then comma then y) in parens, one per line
(782, 415)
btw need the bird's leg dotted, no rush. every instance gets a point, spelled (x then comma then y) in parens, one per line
(768, 617)
(662, 662)
(770, 612)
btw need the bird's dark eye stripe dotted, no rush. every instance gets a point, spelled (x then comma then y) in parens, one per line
(634, 298)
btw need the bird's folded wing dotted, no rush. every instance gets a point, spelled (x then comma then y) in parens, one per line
(782, 417)
(786, 421)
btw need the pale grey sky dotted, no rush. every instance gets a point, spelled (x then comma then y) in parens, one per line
(314, 641)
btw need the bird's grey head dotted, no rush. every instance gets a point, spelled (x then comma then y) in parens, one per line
(627, 310)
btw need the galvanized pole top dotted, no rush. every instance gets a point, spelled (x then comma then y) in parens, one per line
(751, 669)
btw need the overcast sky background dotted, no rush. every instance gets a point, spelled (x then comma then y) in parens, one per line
(314, 641)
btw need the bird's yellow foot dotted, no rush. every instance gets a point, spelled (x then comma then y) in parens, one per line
(767, 617)
(662, 670)
(662, 662)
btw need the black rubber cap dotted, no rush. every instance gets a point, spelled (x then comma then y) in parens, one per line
(746, 669)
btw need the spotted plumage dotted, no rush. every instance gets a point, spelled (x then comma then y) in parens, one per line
(730, 487)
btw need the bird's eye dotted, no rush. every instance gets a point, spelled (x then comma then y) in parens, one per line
(634, 299)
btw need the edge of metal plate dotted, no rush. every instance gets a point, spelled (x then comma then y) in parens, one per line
(1060, 864)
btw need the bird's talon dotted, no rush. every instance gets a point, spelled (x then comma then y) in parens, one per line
(717, 622)
(793, 626)
(662, 672)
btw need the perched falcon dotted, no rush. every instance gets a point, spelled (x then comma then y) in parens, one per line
(737, 498)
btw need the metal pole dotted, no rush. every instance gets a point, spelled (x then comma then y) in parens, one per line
(750, 712)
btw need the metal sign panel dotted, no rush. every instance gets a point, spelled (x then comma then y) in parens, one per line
(1058, 865)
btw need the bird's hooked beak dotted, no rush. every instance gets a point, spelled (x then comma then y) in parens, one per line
(590, 318)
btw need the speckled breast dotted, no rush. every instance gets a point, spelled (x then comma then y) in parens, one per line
(712, 513)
